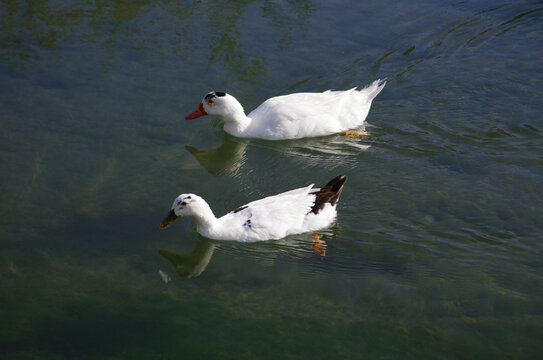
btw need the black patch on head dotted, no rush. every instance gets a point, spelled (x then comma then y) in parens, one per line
(239, 209)
(329, 193)
(182, 201)
(213, 94)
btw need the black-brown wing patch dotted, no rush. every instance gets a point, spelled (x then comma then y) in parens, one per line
(329, 193)
(239, 209)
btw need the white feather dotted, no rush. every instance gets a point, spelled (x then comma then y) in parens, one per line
(273, 217)
(297, 115)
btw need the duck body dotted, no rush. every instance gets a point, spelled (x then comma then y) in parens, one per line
(292, 116)
(274, 217)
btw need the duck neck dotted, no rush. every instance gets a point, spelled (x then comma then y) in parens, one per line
(205, 220)
(235, 121)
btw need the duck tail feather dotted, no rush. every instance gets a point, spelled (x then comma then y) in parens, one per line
(336, 183)
(329, 193)
(374, 88)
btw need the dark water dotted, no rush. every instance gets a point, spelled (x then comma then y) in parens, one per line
(438, 248)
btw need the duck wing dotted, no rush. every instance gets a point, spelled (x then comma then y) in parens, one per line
(273, 217)
(313, 114)
(298, 115)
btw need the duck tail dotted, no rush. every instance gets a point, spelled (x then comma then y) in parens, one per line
(374, 88)
(336, 184)
(329, 193)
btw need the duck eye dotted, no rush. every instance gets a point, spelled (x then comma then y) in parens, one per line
(183, 203)
(210, 102)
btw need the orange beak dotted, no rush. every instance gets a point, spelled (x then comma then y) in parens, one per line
(197, 113)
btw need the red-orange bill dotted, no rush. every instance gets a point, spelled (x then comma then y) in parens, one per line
(197, 113)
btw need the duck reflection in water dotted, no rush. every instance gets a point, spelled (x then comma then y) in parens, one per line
(193, 265)
(190, 266)
(227, 159)
(230, 157)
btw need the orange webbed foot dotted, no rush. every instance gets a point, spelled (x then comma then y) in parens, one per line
(318, 245)
(355, 133)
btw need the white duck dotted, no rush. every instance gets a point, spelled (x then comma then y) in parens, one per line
(273, 217)
(293, 116)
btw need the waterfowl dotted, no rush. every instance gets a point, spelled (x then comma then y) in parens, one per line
(274, 217)
(293, 116)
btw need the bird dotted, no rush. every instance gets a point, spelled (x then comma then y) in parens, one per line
(293, 116)
(274, 217)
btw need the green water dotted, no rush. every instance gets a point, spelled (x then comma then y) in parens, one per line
(438, 248)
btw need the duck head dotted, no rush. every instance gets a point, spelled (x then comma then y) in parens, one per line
(183, 205)
(216, 103)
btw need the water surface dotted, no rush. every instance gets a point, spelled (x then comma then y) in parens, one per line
(437, 251)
